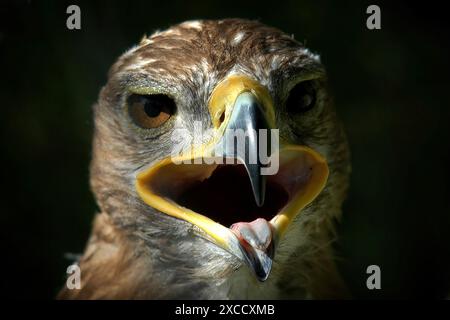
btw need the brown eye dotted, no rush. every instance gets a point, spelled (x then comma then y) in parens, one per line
(150, 111)
(302, 97)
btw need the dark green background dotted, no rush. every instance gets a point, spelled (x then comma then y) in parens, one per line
(391, 88)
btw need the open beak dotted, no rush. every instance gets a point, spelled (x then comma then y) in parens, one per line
(244, 187)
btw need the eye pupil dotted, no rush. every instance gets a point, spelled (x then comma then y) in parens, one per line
(302, 97)
(306, 100)
(152, 109)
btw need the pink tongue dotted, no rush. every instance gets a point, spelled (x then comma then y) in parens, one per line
(257, 244)
(257, 234)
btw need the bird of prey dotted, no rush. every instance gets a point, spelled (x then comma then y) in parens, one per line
(171, 227)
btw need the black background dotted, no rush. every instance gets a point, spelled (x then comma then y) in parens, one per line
(391, 88)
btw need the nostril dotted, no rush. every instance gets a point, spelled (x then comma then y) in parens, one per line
(222, 118)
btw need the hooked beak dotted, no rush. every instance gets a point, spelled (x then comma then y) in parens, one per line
(247, 121)
(247, 179)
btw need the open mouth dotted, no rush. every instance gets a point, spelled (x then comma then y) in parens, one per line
(218, 198)
(226, 196)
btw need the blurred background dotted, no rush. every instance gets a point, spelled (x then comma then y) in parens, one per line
(391, 88)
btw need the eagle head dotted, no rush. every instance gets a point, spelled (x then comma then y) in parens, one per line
(219, 166)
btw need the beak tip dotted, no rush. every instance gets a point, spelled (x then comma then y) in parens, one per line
(258, 183)
(263, 266)
(259, 198)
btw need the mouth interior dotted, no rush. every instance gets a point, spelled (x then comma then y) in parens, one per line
(223, 192)
(226, 196)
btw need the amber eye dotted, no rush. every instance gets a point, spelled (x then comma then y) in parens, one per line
(150, 111)
(302, 97)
